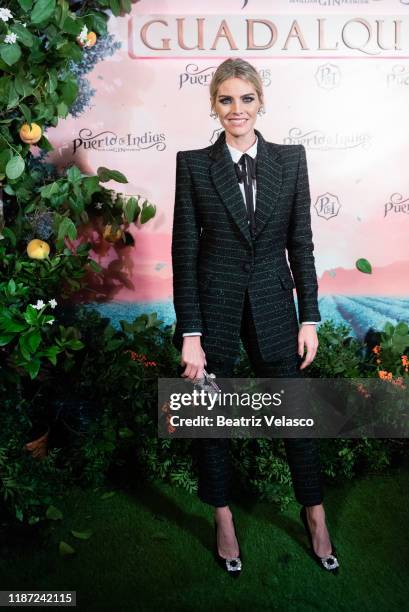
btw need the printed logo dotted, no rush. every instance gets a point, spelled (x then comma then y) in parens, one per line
(399, 76)
(319, 140)
(192, 75)
(110, 141)
(328, 76)
(327, 205)
(396, 204)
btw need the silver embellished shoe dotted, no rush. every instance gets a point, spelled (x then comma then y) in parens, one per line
(329, 563)
(232, 566)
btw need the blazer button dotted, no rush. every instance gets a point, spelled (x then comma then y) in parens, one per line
(247, 267)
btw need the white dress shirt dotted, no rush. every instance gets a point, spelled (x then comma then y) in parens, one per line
(236, 155)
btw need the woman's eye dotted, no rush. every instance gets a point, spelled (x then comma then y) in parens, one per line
(228, 100)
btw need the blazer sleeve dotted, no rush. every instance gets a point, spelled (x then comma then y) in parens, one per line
(185, 250)
(300, 246)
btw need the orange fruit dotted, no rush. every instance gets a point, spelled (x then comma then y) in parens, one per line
(38, 249)
(30, 133)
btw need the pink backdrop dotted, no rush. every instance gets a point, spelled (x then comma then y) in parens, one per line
(336, 79)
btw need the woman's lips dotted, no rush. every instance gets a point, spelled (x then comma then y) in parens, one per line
(238, 121)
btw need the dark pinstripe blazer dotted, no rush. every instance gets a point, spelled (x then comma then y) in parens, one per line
(214, 260)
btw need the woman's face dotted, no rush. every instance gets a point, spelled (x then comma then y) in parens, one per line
(237, 104)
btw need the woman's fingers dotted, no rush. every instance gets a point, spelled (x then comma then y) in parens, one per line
(307, 338)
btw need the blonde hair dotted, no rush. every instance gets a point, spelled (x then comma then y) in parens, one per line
(235, 67)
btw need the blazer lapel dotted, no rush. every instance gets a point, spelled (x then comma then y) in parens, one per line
(225, 181)
(269, 178)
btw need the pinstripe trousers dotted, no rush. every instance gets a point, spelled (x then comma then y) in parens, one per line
(214, 465)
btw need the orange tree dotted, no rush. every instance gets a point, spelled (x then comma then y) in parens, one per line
(41, 212)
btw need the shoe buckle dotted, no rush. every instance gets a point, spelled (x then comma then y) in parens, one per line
(234, 564)
(330, 562)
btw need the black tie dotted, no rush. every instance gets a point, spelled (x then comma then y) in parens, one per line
(243, 176)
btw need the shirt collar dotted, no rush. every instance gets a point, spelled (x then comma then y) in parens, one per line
(236, 154)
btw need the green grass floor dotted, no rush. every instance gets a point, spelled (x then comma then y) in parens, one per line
(151, 550)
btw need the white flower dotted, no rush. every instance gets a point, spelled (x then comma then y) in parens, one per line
(5, 14)
(51, 321)
(10, 38)
(83, 34)
(24, 25)
(98, 205)
(53, 303)
(39, 305)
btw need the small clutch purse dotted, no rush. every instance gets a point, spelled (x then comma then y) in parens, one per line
(207, 383)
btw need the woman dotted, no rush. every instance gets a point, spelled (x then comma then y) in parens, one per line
(235, 216)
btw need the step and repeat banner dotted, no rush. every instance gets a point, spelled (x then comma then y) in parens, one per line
(336, 79)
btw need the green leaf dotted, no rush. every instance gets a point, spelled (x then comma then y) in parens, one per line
(148, 212)
(115, 8)
(132, 210)
(67, 228)
(5, 155)
(10, 53)
(15, 167)
(69, 91)
(8, 233)
(402, 328)
(49, 190)
(95, 266)
(388, 328)
(52, 83)
(105, 175)
(363, 265)
(73, 174)
(33, 340)
(25, 4)
(31, 315)
(24, 35)
(90, 185)
(62, 109)
(32, 367)
(65, 549)
(45, 144)
(43, 9)
(126, 6)
(5, 339)
(82, 535)
(9, 325)
(108, 494)
(11, 287)
(125, 433)
(13, 97)
(75, 345)
(26, 112)
(97, 22)
(53, 513)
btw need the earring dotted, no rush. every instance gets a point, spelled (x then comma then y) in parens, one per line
(213, 115)
(261, 111)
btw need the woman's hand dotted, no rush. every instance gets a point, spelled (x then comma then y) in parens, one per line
(193, 357)
(307, 337)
